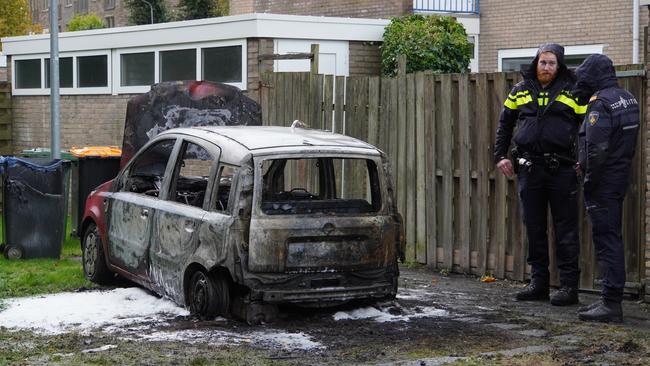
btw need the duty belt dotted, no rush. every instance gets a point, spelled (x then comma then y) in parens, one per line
(550, 161)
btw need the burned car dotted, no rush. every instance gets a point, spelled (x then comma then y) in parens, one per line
(235, 220)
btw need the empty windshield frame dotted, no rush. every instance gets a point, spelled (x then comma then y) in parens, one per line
(296, 184)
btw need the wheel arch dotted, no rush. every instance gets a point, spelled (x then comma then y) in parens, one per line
(193, 268)
(84, 226)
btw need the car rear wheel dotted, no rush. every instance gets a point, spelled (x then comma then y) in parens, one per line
(94, 262)
(209, 295)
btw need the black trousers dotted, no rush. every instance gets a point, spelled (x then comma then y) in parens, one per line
(606, 212)
(539, 189)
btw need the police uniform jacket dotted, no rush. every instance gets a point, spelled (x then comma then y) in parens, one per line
(609, 132)
(547, 119)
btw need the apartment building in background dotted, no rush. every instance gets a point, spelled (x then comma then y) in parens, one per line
(113, 12)
(505, 34)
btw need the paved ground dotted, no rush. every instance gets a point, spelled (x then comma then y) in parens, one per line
(435, 320)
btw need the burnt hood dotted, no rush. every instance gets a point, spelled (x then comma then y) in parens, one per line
(184, 104)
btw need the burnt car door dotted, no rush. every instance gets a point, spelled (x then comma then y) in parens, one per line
(177, 218)
(320, 214)
(131, 207)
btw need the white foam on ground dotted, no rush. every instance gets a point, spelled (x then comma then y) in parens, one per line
(382, 315)
(83, 311)
(134, 313)
(287, 340)
(415, 294)
(100, 349)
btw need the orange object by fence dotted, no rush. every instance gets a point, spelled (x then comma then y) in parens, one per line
(100, 151)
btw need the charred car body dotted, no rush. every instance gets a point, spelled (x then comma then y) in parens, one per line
(239, 219)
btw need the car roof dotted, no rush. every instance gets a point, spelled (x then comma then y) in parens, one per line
(258, 140)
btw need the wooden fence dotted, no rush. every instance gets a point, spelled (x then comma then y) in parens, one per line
(438, 131)
(5, 119)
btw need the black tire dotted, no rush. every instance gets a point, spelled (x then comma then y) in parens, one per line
(209, 295)
(93, 259)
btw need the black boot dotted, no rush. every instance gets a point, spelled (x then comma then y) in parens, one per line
(534, 291)
(593, 305)
(607, 311)
(565, 296)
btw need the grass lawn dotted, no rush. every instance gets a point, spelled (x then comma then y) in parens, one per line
(39, 276)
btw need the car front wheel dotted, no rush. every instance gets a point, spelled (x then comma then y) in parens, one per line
(209, 295)
(94, 263)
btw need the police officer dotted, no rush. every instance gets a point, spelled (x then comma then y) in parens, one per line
(547, 117)
(607, 143)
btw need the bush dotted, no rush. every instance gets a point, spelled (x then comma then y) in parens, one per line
(198, 9)
(437, 43)
(140, 12)
(84, 22)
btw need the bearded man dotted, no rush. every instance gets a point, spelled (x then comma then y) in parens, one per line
(547, 118)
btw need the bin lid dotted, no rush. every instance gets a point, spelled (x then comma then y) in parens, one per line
(44, 152)
(101, 151)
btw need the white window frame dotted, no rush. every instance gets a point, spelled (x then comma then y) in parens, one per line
(117, 66)
(63, 91)
(473, 62)
(530, 52)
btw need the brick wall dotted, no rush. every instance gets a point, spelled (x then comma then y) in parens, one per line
(336, 8)
(257, 46)
(3, 74)
(85, 120)
(505, 24)
(242, 7)
(365, 58)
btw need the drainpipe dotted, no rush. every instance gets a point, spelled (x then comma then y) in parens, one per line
(55, 136)
(635, 32)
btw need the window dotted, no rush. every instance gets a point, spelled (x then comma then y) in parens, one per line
(145, 176)
(81, 73)
(46, 5)
(137, 69)
(134, 70)
(109, 4)
(81, 6)
(222, 64)
(28, 74)
(215, 61)
(68, 3)
(225, 179)
(110, 22)
(178, 65)
(192, 175)
(472, 40)
(516, 64)
(320, 185)
(92, 71)
(65, 72)
(519, 59)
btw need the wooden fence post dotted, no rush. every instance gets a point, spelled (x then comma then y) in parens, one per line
(315, 49)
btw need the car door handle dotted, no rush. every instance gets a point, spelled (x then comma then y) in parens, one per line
(144, 213)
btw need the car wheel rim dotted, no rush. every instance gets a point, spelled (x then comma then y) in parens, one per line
(90, 253)
(200, 294)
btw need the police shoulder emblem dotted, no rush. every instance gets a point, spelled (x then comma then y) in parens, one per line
(593, 118)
